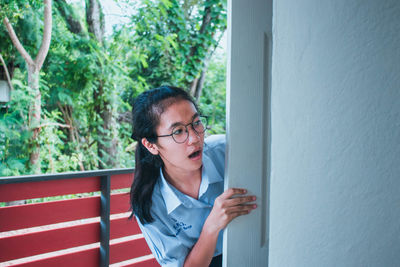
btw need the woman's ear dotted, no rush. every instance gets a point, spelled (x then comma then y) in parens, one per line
(152, 148)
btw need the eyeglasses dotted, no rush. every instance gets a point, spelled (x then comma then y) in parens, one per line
(180, 133)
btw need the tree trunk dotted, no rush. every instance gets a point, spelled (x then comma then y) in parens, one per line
(34, 118)
(69, 16)
(95, 19)
(197, 84)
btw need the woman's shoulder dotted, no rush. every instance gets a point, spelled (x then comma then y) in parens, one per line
(214, 147)
(217, 140)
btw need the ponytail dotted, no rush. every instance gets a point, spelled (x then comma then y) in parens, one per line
(147, 171)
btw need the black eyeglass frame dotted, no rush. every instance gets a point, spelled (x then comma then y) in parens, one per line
(187, 131)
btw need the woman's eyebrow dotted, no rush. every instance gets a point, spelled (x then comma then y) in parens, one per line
(181, 123)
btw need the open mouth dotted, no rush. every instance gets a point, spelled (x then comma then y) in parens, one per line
(195, 154)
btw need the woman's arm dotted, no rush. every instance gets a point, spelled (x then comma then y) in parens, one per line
(224, 211)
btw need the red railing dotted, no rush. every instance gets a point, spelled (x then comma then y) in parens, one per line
(83, 231)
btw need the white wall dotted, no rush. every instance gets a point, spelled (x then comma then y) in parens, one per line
(335, 186)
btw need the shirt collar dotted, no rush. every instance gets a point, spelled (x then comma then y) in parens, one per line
(170, 198)
(209, 175)
(173, 198)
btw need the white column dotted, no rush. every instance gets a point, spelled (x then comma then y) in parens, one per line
(249, 64)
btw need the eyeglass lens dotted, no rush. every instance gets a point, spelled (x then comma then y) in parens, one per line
(180, 133)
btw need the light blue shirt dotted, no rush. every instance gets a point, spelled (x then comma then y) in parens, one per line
(179, 218)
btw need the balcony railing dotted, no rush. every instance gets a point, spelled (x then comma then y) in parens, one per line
(88, 226)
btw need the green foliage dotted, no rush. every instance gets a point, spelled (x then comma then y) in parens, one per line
(212, 102)
(81, 78)
(14, 132)
(165, 41)
(27, 20)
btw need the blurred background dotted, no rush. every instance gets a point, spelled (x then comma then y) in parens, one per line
(102, 54)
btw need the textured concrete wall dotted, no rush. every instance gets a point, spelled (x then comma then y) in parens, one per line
(335, 157)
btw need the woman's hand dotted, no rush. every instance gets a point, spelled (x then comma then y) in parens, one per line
(229, 205)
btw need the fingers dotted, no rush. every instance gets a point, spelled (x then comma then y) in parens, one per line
(232, 197)
(241, 209)
(240, 200)
(229, 205)
(237, 211)
(235, 204)
(233, 191)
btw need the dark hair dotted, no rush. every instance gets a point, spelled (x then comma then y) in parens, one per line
(147, 108)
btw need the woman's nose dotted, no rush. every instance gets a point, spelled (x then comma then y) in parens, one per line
(193, 135)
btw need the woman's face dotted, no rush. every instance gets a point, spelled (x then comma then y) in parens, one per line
(186, 156)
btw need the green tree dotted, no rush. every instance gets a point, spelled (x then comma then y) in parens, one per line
(172, 41)
(88, 80)
(33, 67)
(102, 78)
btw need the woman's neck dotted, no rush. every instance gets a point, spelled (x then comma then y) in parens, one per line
(188, 182)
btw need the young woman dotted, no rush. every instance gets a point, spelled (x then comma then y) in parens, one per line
(177, 194)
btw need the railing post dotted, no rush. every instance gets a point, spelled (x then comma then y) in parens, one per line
(105, 221)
